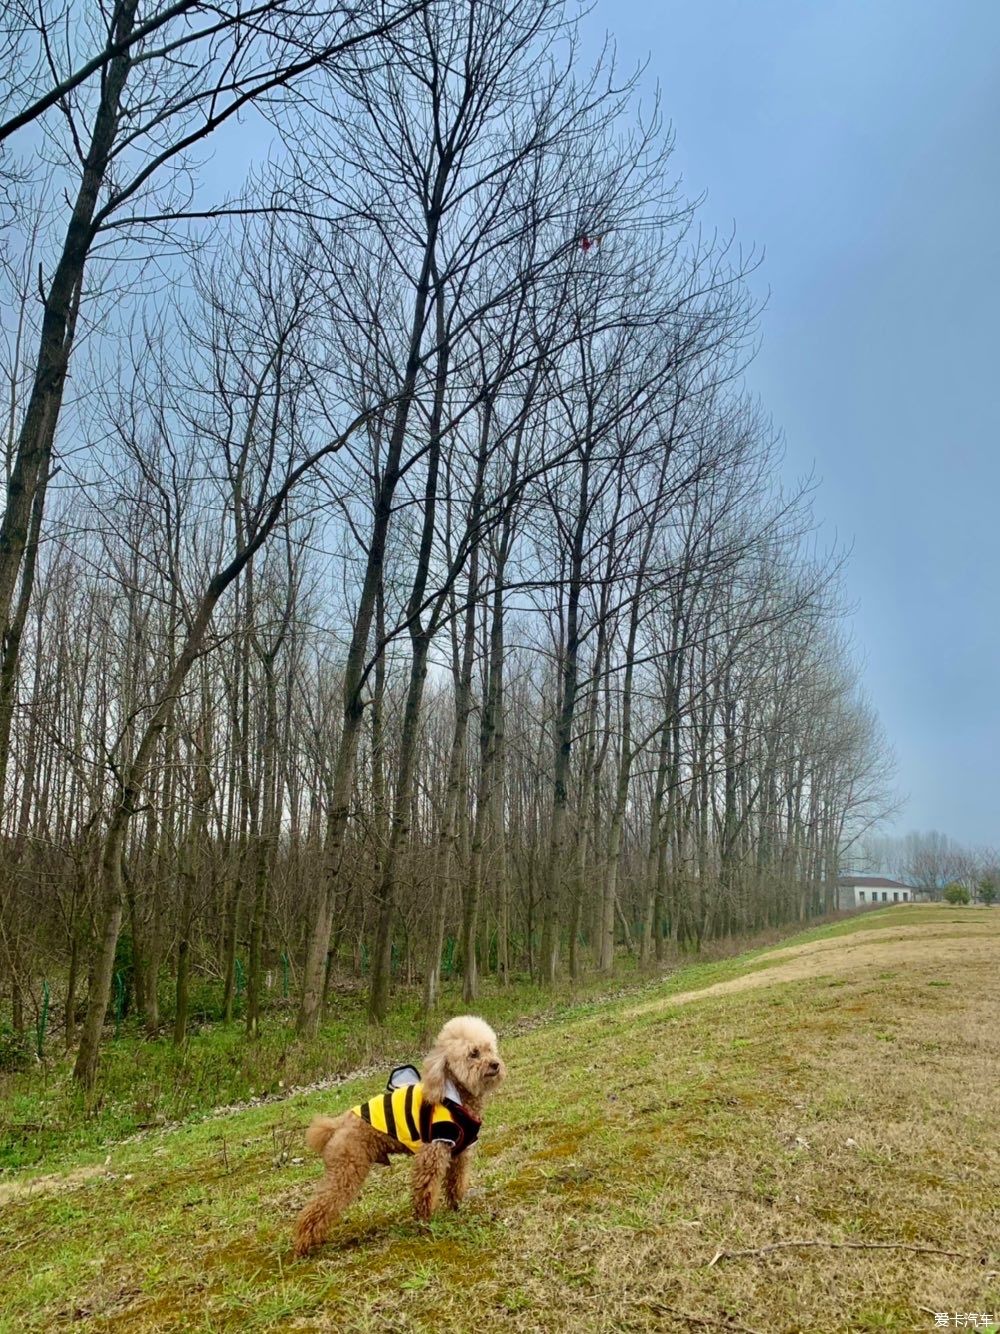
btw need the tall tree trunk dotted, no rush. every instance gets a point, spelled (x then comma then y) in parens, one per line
(650, 924)
(183, 978)
(314, 970)
(463, 661)
(267, 843)
(420, 639)
(487, 833)
(587, 833)
(22, 515)
(568, 683)
(69, 1012)
(378, 998)
(10, 645)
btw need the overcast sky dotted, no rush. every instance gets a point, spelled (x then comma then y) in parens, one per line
(859, 144)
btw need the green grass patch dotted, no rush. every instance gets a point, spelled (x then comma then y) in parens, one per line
(46, 1121)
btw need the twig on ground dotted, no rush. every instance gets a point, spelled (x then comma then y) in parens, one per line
(713, 1321)
(841, 1246)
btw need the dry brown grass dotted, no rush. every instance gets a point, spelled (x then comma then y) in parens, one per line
(944, 943)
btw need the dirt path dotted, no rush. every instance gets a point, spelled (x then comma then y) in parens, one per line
(54, 1184)
(945, 947)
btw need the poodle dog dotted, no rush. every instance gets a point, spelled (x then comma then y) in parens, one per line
(433, 1115)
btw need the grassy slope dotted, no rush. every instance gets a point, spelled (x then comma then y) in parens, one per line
(46, 1122)
(623, 1154)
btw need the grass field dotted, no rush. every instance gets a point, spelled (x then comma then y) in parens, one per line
(803, 1140)
(46, 1121)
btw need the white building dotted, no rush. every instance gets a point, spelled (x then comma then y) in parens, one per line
(867, 891)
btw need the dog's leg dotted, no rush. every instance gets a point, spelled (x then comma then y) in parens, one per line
(349, 1153)
(430, 1167)
(456, 1182)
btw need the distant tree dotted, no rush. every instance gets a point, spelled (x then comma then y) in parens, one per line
(956, 894)
(987, 892)
(931, 860)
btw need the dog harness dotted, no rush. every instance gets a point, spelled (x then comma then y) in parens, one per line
(405, 1115)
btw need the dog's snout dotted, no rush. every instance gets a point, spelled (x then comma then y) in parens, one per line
(494, 1067)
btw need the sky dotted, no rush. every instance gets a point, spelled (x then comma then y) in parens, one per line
(858, 143)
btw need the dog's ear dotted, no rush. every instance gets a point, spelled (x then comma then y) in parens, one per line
(435, 1073)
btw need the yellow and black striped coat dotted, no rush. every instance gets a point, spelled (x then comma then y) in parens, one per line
(405, 1115)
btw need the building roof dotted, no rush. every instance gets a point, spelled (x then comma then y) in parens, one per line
(870, 882)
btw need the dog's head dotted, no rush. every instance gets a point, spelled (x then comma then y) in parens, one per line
(465, 1051)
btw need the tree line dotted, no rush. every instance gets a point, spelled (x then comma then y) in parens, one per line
(394, 572)
(931, 861)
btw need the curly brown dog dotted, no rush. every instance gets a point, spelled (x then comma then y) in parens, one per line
(435, 1116)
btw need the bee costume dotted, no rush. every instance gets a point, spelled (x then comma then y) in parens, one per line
(405, 1115)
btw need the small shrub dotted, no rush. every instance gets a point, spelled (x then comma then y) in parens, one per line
(956, 894)
(16, 1050)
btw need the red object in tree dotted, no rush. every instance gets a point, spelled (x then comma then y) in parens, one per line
(585, 243)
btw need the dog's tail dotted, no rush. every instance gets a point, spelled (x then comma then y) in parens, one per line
(319, 1132)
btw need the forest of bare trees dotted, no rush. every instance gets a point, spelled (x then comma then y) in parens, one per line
(396, 575)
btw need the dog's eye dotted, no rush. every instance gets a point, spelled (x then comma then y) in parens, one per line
(474, 1054)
